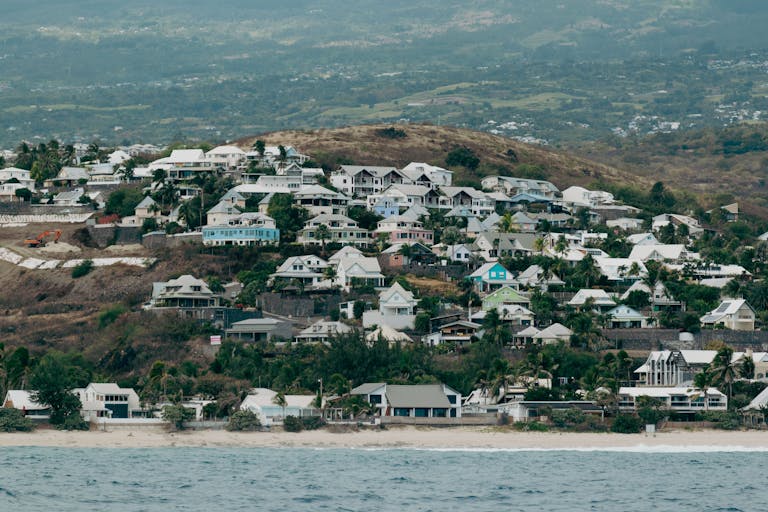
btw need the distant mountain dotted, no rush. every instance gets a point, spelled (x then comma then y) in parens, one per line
(148, 69)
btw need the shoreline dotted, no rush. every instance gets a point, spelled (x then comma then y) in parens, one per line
(454, 438)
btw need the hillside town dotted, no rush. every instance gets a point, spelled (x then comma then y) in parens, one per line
(666, 298)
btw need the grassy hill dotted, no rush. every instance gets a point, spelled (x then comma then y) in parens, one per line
(368, 145)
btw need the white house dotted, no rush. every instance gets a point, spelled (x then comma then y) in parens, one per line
(682, 400)
(308, 270)
(327, 228)
(363, 181)
(598, 299)
(13, 179)
(22, 400)
(261, 401)
(625, 317)
(428, 175)
(555, 333)
(364, 270)
(672, 253)
(396, 309)
(107, 400)
(581, 197)
(227, 157)
(693, 226)
(320, 200)
(734, 314)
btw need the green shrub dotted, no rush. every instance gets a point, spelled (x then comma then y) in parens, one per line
(531, 426)
(244, 421)
(109, 315)
(13, 420)
(312, 422)
(567, 418)
(73, 422)
(177, 415)
(82, 269)
(293, 424)
(627, 424)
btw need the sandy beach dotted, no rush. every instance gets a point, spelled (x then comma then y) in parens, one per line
(394, 437)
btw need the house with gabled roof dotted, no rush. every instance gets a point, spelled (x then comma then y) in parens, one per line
(13, 179)
(513, 314)
(405, 229)
(491, 245)
(625, 317)
(337, 229)
(363, 181)
(595, 298)
(405, 196)
(693, 226)
(734, 314)
(22, 400)
(537, 190)
(428, 175)
(555, 333)
(184, 292)
(504, 296)
(536, 277)
(221, 213)
(364, 270)
(476, 201)
(320, 200)
(308, 270)
(459, 332)
(70, 176)
(396, 309)
(492, 276)
(107, 400)
(672, 253)
(228, 157)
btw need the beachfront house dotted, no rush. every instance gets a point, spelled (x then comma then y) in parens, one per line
(411, 401)
(266, 405)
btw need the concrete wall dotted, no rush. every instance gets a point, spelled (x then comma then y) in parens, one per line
(298, 306)
(487, 419)
(653, 339)
(159, 240)
(108, 234)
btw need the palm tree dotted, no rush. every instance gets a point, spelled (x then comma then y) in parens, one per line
(703, 381)
(538, 245)
(280, 401)
(747, 367)
(724, 369)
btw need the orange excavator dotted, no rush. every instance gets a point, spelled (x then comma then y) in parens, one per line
(40, 240)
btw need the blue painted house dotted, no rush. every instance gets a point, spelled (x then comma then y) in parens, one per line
(492, 276)
(245, 229)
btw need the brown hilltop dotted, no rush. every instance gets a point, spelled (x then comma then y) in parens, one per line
(364, 145)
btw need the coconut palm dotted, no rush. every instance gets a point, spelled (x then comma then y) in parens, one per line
(724, 369)
(280, 401)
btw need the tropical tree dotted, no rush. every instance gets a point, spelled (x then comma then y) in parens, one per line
(323, 233)
(53, 385)
(703, 381)
(747, 367)
(724, 369)
(280, 401)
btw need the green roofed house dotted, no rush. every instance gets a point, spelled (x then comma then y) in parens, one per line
(412, 401)
(505, 296)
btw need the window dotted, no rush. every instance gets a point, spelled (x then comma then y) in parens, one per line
(399, 411)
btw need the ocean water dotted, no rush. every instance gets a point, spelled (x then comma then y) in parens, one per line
(293, 479)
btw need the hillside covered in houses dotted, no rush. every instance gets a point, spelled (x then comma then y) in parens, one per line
(519, 279)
